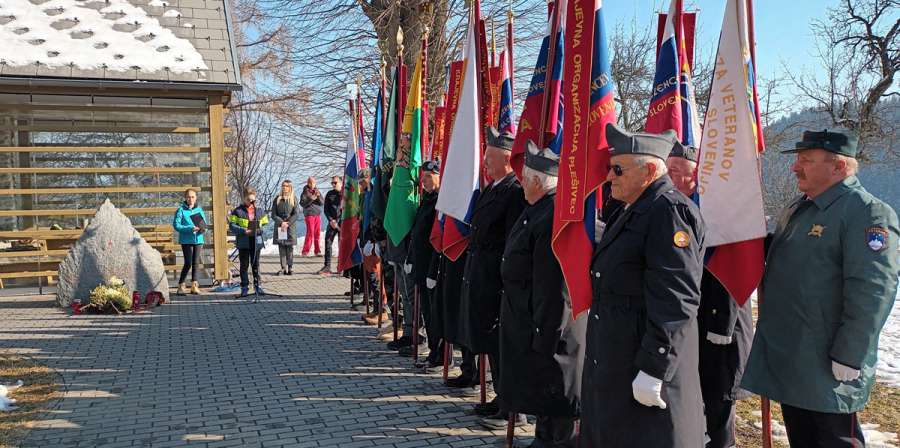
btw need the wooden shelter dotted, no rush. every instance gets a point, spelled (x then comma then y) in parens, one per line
(118, 99)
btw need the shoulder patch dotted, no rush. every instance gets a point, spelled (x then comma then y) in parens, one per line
(681, 239)
(876, 238)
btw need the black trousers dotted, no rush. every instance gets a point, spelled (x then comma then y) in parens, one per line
(468, 367)
(719, 423)
(494, 359)
(811, 429)
(191, 254)
(330, 235)
(554, 432)
(249, 258)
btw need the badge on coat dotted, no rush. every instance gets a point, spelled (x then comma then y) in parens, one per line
(681, 239)
(876, 238)
(816, 230)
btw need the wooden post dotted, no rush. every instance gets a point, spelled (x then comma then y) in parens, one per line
(510, 429)
(448, 354)
(415, 322)
(482, 376)
(217, 180)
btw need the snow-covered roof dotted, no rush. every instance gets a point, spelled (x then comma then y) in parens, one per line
(149, 40)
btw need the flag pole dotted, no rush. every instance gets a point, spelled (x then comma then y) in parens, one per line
(353, 120)
(401, 107)
(365, 275)
(493, 43)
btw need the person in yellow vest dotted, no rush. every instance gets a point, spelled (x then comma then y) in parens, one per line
(245, 223)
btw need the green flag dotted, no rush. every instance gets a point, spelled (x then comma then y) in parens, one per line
(381, 175)
(404, 198)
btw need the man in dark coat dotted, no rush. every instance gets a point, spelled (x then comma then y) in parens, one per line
(535, 312)
(641, 385)
(420, 257)
(725, 328)
(495, 212)
(333, 214)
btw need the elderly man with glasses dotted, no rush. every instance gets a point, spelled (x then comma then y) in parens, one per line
(640, 384)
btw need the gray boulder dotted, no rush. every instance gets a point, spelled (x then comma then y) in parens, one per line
(110, 246)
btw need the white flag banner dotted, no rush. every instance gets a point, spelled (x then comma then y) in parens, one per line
(728, 176)
(461, 177)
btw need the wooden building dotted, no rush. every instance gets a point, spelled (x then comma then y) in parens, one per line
(118, 99)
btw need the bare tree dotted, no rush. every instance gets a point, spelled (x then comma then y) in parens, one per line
(256, 160)
(633, 65)
(859, 51)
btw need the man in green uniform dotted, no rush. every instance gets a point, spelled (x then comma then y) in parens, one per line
(828, 287)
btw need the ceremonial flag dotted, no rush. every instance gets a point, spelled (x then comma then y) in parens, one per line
(360, 135)
(461, 181)
(690, 124)
(506, 121)
(665, 100)
(533, 123)
(376, 159)
(729, 180)
(381, 170)
(403, 199)
(349, 254)
(440, 123)
(588, 106)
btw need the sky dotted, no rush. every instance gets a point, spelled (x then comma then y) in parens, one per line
(783, 32)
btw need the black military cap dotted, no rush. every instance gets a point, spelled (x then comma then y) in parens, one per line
(431, 166)
(541, 160)
(623, 142)
(842, 143)
(494, 138)
(688, 152)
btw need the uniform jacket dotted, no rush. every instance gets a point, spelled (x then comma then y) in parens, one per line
(239, 222)
(449, 276)
(283, 211)
(722, 366)
(829, 285)
(645, 275)
(185, 226)
(312, 206)
(494, 214)
(420, 249)
(531, 318)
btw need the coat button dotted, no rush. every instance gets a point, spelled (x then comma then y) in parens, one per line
(597, 274)
(714, 311)
(662, 350)
(595, 362)
(537, 330)
(524, 221)
(597, 316)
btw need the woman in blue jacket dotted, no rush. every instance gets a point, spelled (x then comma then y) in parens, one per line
(190, 236)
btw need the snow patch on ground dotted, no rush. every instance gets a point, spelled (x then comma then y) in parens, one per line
(110, 34)
(874, 437)
(271, 250)
(888, 366)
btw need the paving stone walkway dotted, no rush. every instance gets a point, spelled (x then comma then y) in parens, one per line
(300, 370)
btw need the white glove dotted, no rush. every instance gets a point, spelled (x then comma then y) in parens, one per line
(367, 250)
(377, 250)
(843, 373)
(430, 283)
(718, 339)
(407, 268)
(647, 389)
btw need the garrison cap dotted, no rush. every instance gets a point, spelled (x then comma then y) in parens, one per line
(623, 142)
(541, 160)
(841, 143)
(494, 138)
(688, 152)
(431, 166)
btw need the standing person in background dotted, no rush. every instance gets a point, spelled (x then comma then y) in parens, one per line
(284, 213)
(311, 201)
(190, 236)
(333, 213)
(248, 238)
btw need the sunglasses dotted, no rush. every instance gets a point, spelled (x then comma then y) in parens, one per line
(618, 170)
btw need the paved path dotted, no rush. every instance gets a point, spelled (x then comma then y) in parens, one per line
(296, 371)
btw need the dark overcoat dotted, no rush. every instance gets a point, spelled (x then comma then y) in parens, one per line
(283, 211)
(645, 276)
(531, 319)
(494, 214)
(722, 366)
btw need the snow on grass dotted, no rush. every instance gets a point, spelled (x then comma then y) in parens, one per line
(110, 34)
(888, 366)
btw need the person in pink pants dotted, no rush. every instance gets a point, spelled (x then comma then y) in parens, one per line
(311, 201)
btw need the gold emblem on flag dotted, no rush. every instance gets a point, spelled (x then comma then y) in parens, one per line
(816, 230)
(681, 239)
